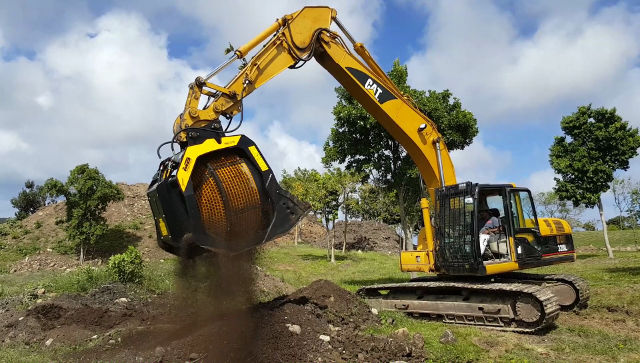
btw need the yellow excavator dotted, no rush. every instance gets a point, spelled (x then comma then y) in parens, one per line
(218, 193)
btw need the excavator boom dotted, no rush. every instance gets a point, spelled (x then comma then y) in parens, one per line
(219, 194)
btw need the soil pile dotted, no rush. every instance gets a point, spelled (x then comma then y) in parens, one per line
(319, 323)
(310, 231)
(368, 236)
(71, 319)
(361, 235)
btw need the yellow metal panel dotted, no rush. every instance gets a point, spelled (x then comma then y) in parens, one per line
(193, 152)
(414, 261)
(256, 155)
(501, 267)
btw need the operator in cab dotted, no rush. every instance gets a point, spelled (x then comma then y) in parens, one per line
(490, 224)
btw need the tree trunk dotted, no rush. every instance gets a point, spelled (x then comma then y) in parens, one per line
(81, 253)
(408, 242)
(296, 230)
(346, 220)
(333, 243)
(604, 228)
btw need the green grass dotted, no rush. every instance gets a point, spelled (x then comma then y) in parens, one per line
(606, 331)
(624, 238)
(158, 278)
(300, 265)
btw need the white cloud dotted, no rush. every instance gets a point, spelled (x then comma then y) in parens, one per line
(540, 181)
(282, 150)
(10, 142)
(106, 91)
(477, 50)
(300, 99)
(480, 163)
(107, 94)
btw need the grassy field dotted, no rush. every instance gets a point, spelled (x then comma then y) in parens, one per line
(609, 330)
(618, 239)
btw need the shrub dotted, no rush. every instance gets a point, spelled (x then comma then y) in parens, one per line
(127, 267)
(64, 247)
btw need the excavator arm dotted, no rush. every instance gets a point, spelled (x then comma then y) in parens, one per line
(215, 206)
(295, 39)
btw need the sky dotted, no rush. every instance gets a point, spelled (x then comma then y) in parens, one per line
(102, 82)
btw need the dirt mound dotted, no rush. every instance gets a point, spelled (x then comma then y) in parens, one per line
(319, 323)
(311, 231)
(368, 236)
(71, 319)
(361, 235)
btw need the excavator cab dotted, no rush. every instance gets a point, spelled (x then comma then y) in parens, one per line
(463, 247)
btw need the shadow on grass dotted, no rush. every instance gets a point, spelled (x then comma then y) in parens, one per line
(115, 240)
(584, 256)
(338, 255)
(629, 270)
(375, 281)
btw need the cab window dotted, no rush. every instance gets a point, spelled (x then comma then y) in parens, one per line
(523, 214)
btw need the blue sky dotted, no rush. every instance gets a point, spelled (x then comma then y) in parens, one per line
(101, 82)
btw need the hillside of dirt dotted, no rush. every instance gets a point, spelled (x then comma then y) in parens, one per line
(131, 223)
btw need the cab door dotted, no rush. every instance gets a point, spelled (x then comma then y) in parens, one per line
(524, 222)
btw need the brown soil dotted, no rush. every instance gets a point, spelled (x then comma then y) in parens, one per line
(368, 236)
(172, 329)
(361, 235)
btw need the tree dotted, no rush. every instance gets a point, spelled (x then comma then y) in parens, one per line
(29, 200)
(597, 142)
(87, 193)
(346, 182)
(322, 192)
(302, 184)
(622, 190)
(622, 222)
(549, 205)
(376, 204)
(364, 146)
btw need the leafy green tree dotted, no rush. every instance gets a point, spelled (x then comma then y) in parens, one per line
(376, 204)
(321, 191)
(548, 204)
(589, 226)
(622, 222)
(29, 200)
(597, 142)
(364, 146)
(301, 184)
(347, 183)
(87, 193)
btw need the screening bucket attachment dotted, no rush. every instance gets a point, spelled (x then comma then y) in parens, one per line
(219, 194)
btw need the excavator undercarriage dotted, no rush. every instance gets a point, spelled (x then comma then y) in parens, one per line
(515, 302)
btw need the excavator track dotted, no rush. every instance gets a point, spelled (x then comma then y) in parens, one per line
(573, 295)
(506, 306)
